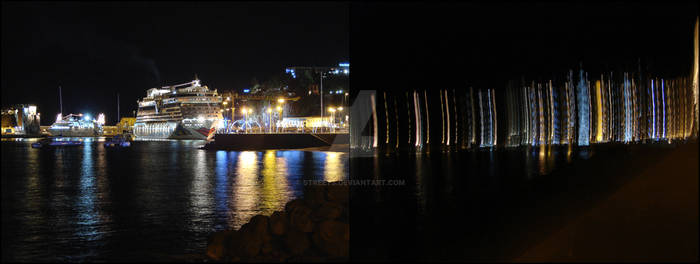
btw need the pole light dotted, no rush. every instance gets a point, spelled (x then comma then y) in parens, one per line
(332, 110)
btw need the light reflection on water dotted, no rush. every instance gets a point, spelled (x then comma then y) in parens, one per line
(92, 203)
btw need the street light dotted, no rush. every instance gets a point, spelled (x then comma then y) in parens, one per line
(279, 116)
(281, 100)
(332, 110)
(322, 76)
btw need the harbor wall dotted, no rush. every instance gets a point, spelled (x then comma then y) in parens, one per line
(275, 141)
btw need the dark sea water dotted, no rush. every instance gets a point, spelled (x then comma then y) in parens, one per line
(153, 201)
(481, 205)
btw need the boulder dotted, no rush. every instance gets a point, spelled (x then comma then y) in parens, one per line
(216, 244)
(296, 242)
(332, 237)
(252, 236)
(293, 204)
(312, 255)
(314, 195)
(232, 244)
(278, 223)
(267, 248)
(259, 224)
(338, 193)
(327, 211)
(300, 219)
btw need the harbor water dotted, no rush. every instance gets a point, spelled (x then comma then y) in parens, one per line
(153, 201)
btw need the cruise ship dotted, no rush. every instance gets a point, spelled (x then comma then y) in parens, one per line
(183, 111)
(77, 125)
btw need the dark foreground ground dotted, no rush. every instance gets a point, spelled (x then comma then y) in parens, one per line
(611, 203)
(653, 217)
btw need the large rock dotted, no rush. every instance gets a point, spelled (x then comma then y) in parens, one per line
(300, 219)
(232, 245)
(259, 224)
(278, 223)
(332, 237)
(216, 244)
(296, 242)
(338, 193)
(293, 205)
(252, 236)
(327, 211)
(314, 195)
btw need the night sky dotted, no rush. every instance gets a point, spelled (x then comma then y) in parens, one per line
(453, 45)
(95, 50)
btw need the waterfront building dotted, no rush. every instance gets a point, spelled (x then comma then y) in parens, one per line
(126, 124)
(21, 119)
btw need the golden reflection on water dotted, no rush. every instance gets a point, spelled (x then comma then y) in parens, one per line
(334, 169)
(275, 188)
(245, 192)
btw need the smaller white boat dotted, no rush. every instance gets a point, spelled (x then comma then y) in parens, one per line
(48, 142)
(118, 141)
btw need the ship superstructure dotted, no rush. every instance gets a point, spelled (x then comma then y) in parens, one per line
(183, 111)
(77, 125)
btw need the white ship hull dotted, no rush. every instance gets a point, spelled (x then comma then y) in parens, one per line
(172, 130)
(74, 132)
(75, 126)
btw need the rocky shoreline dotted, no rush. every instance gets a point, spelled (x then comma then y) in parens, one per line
(311, 229)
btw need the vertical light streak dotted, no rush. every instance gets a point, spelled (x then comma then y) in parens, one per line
(471, 99)
(495, 119)
(481, 114)
(386, 114)
(416, 103)
(567, 135)
(635, 111)
(427, 117)
(553, 127)
(540, 110)
(526, 105)
(447, 110)
(663, 108)
(599, 112)
(629, 111)
(490, 128)
(695, 82)
(583, 113)
(610, 112)
(398, 128)
(653, 112)
(454, 106)
(442, 114)
(375, 135)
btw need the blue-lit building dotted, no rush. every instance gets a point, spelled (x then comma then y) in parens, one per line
(343, 68)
